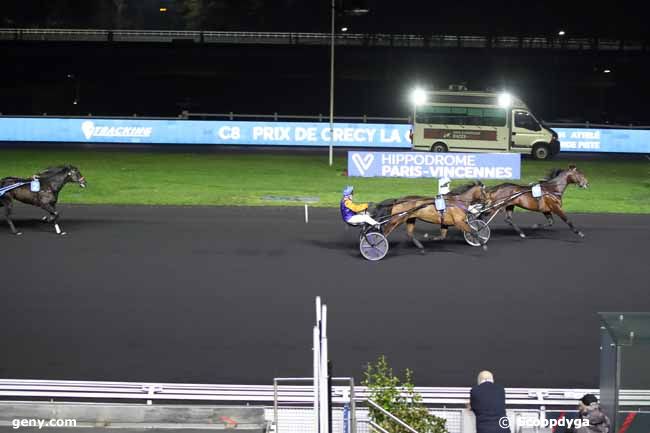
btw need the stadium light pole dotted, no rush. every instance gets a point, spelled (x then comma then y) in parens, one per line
(357, 11)
(331, 149)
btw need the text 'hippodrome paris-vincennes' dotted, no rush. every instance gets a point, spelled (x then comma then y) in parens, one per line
(440, 165)
(428, 159)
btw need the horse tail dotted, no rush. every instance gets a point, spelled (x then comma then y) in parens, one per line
(384, 208)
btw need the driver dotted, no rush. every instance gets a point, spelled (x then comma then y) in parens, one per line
(355, 213)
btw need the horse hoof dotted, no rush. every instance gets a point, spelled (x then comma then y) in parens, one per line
(18, 233)
(426, 236)
(485, 247)
(582, 235)
(422, 251)
(521, 235)
(63, 234)
(44, 219)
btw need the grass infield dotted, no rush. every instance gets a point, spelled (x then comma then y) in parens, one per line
(161, 178)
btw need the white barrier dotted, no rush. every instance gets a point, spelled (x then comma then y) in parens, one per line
(287, 394)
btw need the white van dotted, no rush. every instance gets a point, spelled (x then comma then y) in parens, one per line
(446, 121)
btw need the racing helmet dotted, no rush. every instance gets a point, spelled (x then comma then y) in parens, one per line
(348, 190)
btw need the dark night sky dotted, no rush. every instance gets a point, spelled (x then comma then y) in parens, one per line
(122, 79)
(625, 19)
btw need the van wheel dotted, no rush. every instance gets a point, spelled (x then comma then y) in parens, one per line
(439, 147)
(541, 151)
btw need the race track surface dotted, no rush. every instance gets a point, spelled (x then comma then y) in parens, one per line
(225, 295)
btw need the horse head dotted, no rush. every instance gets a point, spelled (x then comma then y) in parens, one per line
(57, 177)
(472, 192)
(576, 176)
(74, 175)
(480, 195)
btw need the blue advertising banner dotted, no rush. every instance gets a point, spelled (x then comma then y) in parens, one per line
(94, 130)
(437, 165)
(604, 140)
(147, 131)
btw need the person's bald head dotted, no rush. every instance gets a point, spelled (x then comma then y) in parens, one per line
(485, 376)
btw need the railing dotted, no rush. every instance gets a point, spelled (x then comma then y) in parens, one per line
(376, 427)
(595, 125)
(391, 416)
(186, 115)
(275, 117)
(346, 394)
(300, 420)
(287, 394)
(350, 39)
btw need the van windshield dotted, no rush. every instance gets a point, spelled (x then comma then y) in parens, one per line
(525, 120)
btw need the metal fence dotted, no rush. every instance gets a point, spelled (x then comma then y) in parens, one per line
(364, 118)
(295, 408)
(451, 397)
(321, 118)
(301, 420)
(342, 39)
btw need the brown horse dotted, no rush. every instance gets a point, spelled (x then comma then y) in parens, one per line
(423, 208)
(51, 182)
(549, 203)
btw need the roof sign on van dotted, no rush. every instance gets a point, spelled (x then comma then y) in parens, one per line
(460, 134)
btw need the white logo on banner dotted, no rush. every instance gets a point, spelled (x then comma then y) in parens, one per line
(363, 163)
(90, 130)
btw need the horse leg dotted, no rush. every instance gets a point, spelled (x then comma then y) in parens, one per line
(549, 222)
(410, 229)
(509, 210)
(444, 229)
(8, 207)
(54, 218)
(437, 218)
(557, 210)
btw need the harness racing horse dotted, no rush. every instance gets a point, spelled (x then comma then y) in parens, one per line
(464, 195)
(549, 203)
(51, 182)
(424, 209)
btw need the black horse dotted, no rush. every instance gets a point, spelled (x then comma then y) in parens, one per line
(51, 181)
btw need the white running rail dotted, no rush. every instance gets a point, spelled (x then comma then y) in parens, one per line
(287, 394)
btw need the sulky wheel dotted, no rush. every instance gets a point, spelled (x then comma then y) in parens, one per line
(480, 233)
(373, 246)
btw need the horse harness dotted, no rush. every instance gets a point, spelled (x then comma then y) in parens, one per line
(35, 186)
(6, 189)
(555, 195)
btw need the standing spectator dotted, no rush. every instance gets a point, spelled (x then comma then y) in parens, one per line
(488, 402)
(589, 410)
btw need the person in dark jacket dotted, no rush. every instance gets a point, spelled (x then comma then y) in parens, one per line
(589, 410)
(488, 402)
